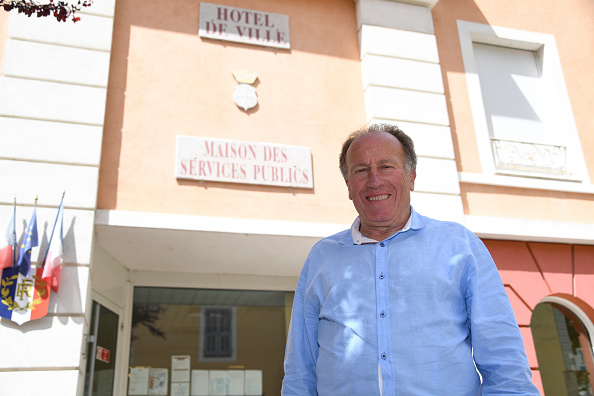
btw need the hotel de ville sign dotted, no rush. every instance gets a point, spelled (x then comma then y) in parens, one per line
(244, 26)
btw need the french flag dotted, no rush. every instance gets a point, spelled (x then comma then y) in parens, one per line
(53, 257)
(8, 242)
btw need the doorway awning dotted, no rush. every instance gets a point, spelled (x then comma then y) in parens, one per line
(142, 241)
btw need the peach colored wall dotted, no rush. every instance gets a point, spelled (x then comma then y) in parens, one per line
(484, 200)
(571, 22)
(167, 81)
(3, 27)
(532, 271)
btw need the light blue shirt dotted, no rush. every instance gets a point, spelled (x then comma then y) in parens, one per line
(412, 314)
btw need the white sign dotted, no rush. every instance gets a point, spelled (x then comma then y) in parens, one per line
(234, 161)
(244, 26)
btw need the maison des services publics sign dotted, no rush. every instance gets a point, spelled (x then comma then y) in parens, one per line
(244, 26)
(234, 161)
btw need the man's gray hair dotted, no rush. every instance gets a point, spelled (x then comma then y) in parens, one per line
(410, 157)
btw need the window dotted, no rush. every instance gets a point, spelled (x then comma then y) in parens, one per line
(232, 340)
(517, 112)
(520, 106)
(217, 334)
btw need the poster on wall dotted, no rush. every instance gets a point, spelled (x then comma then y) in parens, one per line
(158, 382)
(199, 383)
(180, 368)
(219, 381)
(138, 382)
(236, 383)
(180, 389)
(253, 382)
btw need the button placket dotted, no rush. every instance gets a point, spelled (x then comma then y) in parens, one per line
(382, 306)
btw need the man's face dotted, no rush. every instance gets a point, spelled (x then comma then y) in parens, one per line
(378, 183)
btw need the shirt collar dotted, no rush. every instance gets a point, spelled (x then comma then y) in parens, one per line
(360, 239)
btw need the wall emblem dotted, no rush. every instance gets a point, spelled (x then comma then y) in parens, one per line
(23, 298)
(245, 94)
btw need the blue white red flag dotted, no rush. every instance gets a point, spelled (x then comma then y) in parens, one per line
(29, 242)
(8, 242)
(23, 298)
(53, 257)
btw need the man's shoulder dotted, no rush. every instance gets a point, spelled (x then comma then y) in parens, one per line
(452, 234)
(340, 237)
(445, 226)
(335, 240)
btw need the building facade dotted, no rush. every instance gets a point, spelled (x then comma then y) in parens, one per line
(198, 143)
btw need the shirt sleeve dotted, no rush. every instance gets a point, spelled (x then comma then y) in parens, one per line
(498, 346)
(302, 345)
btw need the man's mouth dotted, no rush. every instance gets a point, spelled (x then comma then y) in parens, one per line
(378, 197)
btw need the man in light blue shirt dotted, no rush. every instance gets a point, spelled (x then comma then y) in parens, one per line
(400, 304)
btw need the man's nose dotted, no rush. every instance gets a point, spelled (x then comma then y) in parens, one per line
(374, 179)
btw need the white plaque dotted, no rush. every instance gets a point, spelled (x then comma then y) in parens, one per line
(244, 26)
(234, 161)
(529, 156)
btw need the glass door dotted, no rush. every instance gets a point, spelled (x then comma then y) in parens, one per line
(101, 352)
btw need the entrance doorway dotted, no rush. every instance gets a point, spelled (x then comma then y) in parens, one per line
(562, 339)
(101, 352)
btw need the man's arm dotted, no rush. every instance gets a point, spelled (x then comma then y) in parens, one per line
(302, 344)
(498, 346)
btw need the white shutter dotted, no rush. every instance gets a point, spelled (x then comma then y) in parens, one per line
(514, 95)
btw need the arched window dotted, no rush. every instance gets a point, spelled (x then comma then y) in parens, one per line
(562, 334)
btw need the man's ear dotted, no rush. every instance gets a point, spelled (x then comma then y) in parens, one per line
(413, 176)
(348, 188)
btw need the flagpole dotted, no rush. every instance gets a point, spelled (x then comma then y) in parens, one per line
(14, 228)
(53, 229)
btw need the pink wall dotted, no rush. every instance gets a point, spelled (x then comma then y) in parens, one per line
(531, 271)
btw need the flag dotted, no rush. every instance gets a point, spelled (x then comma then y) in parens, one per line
(29, 242)
(8, 242)
(52, 263)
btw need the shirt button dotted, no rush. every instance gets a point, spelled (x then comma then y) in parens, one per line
(381, 276)
(383, 314)
(382, 244)
(384, 356)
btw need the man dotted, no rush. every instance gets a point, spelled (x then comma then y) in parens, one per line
(400, 304)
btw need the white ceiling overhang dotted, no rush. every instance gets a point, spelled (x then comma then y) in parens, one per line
(142, 241)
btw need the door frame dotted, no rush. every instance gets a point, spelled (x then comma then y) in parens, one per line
(120, 380)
